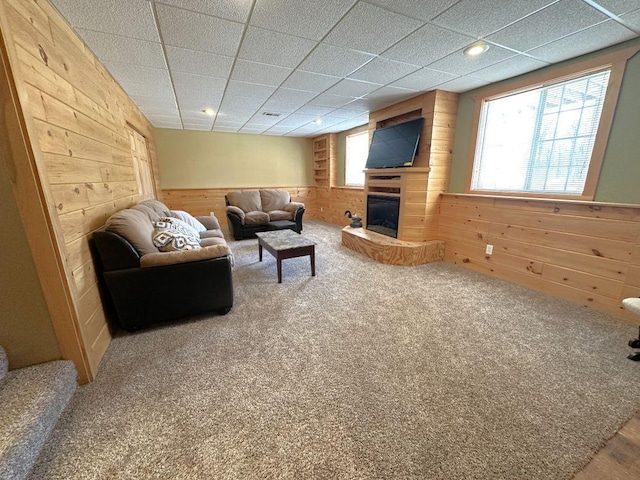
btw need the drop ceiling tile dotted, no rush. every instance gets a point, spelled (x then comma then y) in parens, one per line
(358, 121)
(261, 73)
(462, 84)
(314, 110)
(341, 127)
(352, 88)
(510, 67)
(427, 45)
(203, 128)
(147, 101)
(198, 121)
(296, 120)
(594, 38)
(137, 74)
(383, 70)
(328, 100)
(346, 113)
(415, 8)
(312, 82)
(482, 18)
(236, 10)
(458, 63)
(196, 92)
(149, 110)
(262, 119)
(328, 120)
(254, 130)
(632, 19)
(164, 90)
(169, 126)
(305, 131)
(195, 115)
(390, 95)
(244, 103)
(619, 7)
(276, 132)
(299, 17)
(236, 125)
(164, 118)
(196, 86)
(330, 60)
(190, 104)
(223, 129)
(294, 96)
(282, 106)
(371, 29)
(197, 126)
(251, 90)
(108, 47)
(266, 46)
(129, 18)
(547, 25)
(424, 79)
(200, 63)
(196, 31)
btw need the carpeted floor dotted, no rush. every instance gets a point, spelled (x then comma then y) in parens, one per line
(365, 371)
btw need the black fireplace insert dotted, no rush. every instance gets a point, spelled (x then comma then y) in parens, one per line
(382, 214)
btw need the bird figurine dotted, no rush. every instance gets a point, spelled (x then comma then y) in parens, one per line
(356, 221)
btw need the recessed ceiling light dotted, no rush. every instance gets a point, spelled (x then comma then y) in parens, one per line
(318, 121)
(209, 111)
(476, 49)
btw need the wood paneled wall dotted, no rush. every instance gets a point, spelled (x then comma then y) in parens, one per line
(333, 202)
(585, 252)
(326, 204)
(75, 116)
(199, 201)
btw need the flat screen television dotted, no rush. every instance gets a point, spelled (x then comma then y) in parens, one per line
(395, 146)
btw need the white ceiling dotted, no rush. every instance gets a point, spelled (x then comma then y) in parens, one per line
(333, 60)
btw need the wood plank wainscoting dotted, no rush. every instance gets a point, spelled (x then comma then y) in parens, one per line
(78, 163)
(585, 252)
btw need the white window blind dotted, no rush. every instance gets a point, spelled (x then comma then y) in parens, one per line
(357, 149)
(540, 140)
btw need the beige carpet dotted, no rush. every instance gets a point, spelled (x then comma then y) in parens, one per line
(365, 371)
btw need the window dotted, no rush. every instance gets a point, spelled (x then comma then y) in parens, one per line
(357, 149)
(548, 138)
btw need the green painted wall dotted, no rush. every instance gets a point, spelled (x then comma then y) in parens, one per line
(190, 159)
(620, 174)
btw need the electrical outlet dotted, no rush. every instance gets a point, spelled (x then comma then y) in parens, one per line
(489, 250)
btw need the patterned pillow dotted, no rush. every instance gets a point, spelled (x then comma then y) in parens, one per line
(169, 236)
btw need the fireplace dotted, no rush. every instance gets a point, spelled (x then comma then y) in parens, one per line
(382, 214)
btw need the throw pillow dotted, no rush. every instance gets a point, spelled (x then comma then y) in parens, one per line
(181, 226)
(188, 218)
(170, 237)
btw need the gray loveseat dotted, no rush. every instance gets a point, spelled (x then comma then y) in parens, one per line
(155, 269)
(252, 211)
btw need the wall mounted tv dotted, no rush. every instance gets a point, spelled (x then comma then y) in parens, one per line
(395, 146)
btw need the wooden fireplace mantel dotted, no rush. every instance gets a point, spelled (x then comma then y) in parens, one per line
(418, 187)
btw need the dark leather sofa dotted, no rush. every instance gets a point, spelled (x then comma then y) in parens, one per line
(149, 288)
(252, 211)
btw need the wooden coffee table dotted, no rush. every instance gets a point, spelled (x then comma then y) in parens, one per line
(286, 244)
